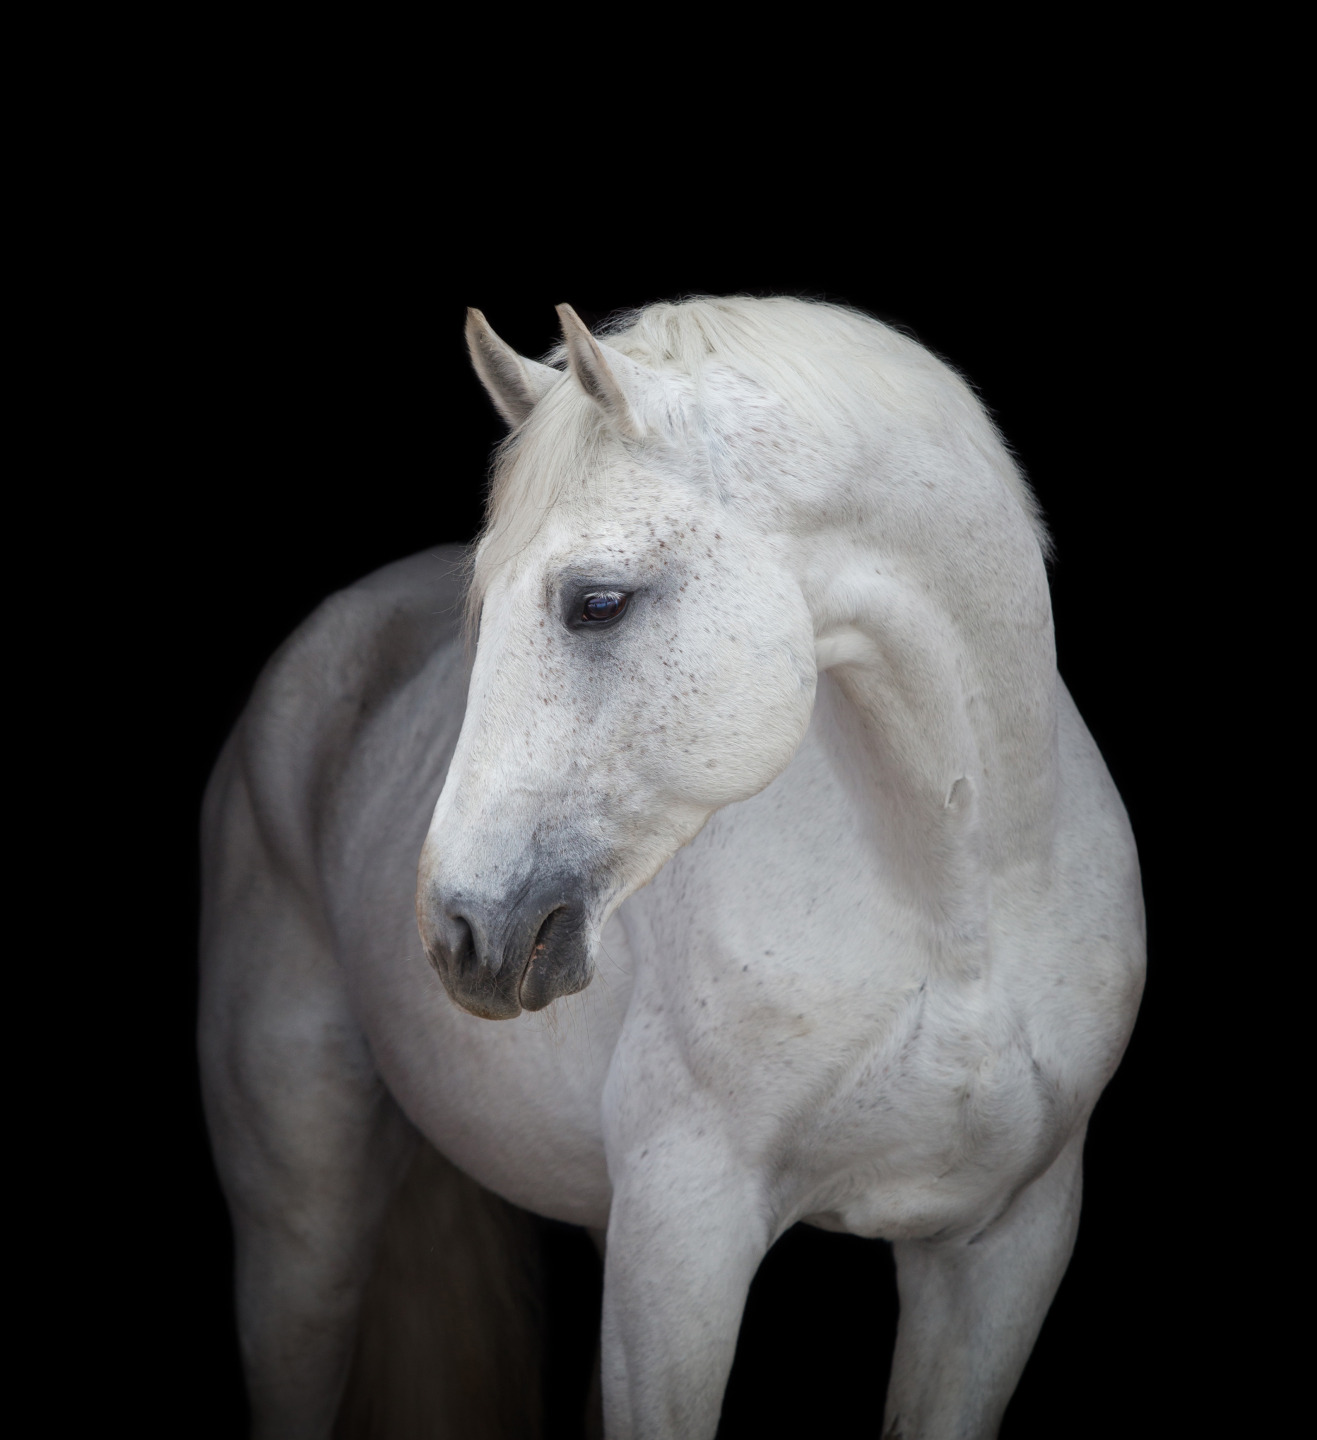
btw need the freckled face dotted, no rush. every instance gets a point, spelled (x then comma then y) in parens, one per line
(637, 669)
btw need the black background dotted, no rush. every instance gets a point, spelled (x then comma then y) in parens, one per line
(308, 414)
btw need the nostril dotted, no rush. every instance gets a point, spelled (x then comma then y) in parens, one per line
(545, 933)
(558, 963)
(449, 943)
(459, 943)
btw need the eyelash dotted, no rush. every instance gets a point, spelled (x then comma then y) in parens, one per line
(596, 621)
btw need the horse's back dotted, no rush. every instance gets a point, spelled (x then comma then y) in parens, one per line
(327, 683)
(281, 798)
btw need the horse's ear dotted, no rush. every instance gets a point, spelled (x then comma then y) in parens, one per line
(515, 384)
(612, 380)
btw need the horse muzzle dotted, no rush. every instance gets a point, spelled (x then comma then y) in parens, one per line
(500, 956)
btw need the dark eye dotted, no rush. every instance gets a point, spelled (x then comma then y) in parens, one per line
(602, 605)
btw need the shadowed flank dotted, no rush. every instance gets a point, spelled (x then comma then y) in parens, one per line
(450, 1326)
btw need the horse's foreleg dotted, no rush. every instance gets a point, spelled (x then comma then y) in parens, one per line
(308, 1145)
(684, 1240)
(971, 1310)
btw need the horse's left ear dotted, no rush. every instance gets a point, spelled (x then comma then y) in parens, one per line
(612, 380)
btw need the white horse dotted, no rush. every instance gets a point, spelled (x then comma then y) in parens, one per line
(761, 784)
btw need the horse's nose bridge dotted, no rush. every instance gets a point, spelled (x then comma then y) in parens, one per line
(504, 781)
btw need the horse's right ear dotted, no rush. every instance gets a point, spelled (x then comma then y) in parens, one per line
(515, 384)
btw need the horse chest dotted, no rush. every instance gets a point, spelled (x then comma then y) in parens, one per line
(917, 1114)
(870, 1087)
(926, 1132)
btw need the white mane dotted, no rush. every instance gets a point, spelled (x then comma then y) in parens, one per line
(837, 370)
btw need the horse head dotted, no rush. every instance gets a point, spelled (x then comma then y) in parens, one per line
(644, 657)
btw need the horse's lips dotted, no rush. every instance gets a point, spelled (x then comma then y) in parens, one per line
(537, 953)
(559, 962)
(522, 992)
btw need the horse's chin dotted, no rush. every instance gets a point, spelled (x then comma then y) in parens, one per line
(542, 983)
(484, 1007)
(544, 980)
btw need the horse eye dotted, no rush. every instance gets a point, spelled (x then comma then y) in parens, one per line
(603, 605)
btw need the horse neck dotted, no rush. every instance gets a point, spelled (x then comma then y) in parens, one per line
(935, 631)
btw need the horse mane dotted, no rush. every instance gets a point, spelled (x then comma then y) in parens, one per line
(837, 369)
